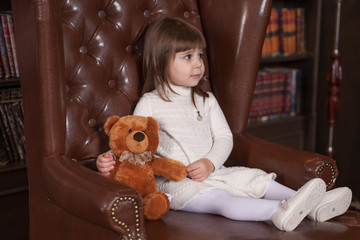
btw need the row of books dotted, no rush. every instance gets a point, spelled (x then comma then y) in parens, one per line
(277, 94)
(8, 64)
(285, 34)
(12, 144)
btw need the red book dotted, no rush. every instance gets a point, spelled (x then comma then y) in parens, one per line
(12, 40)
(4, 56)
(6, 33)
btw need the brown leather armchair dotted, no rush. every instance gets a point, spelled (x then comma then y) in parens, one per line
(80, 62)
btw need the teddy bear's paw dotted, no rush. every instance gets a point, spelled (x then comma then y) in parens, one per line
(178, 172)
(156, 205)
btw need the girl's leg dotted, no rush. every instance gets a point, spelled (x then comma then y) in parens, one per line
(277, 191)
(221, 202)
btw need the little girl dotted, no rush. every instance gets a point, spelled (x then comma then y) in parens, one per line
(193, 130)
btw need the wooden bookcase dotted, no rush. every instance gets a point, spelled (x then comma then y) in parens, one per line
(14, 218)
(300, 131)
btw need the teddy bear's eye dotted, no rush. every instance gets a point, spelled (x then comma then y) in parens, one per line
(130, 131)
(143, 131)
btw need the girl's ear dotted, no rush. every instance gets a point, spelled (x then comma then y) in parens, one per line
(109, 123)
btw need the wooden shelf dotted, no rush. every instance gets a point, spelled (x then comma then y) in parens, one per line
(298, 132)
(9, 82)
(290, 58)
(12, 167)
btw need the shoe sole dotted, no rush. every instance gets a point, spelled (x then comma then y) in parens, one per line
(336, 207)
(310, 199)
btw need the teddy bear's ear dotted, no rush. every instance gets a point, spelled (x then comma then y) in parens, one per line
(109, 123)
(153, 124)
(152, 131)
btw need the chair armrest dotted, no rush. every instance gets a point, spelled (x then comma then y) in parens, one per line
(93, 197)
(293, 167)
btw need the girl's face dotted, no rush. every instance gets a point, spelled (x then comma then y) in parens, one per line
(186, 68)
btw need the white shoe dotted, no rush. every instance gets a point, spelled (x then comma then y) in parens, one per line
(334, 203)
(291, 212)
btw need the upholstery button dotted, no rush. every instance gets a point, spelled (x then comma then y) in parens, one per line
(67, 88)
(83, 49)
(129, 48)
(187, 14)
(111, 83)
(92, 123)
(101, 14)
(146, 13)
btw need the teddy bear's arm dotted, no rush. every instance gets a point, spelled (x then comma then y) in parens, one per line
(169, 168)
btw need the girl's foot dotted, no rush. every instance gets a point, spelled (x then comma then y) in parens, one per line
(291, 212)
(334, 203)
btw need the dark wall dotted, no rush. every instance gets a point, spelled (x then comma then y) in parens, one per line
(347, 129)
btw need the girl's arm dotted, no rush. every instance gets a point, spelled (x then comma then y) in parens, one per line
(222, 136)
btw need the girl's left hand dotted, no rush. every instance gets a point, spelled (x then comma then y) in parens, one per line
(200, 170)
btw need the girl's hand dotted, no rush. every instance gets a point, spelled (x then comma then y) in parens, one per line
(200, 170)
(105, 163)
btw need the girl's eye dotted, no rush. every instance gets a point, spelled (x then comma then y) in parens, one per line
(200, 55)
(187, 57)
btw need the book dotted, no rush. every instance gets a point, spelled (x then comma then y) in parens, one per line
(277, 94)
(3, 53)
(285, 34)
(11, 125)
(14, 131)
(291, 18)
(274, 32)
(6, 142)
(3, 158)
(12, 40)
(266, 49)
(300, 30)
(9, 135)
(2, 75)
(6, 34)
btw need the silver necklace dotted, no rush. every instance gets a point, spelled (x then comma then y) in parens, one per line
(199, 117)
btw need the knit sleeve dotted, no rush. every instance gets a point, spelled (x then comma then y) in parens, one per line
(221, 134)
(143, 107)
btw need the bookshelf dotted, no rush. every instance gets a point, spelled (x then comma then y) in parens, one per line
(299, 131)
(14, 209)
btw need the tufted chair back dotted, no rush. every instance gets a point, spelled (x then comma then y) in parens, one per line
(102, 50)
(90, 62)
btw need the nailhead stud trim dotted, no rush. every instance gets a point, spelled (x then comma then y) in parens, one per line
(332, 168)
(123, 224)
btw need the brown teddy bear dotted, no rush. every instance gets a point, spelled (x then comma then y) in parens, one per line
(134, 140)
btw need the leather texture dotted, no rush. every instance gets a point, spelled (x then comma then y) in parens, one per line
(81, 62)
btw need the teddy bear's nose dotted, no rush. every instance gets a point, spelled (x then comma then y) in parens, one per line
(139, 136)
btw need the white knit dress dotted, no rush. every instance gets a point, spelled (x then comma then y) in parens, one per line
(186, 139)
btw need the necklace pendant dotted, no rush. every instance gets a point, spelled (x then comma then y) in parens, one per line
(199, 117)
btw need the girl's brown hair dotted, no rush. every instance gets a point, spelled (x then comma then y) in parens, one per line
(164, 38)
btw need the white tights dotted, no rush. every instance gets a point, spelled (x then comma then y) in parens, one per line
(222, 202)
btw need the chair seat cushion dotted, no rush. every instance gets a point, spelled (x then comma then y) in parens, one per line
(178, 225)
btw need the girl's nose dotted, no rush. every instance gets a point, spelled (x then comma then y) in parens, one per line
(197, 62)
